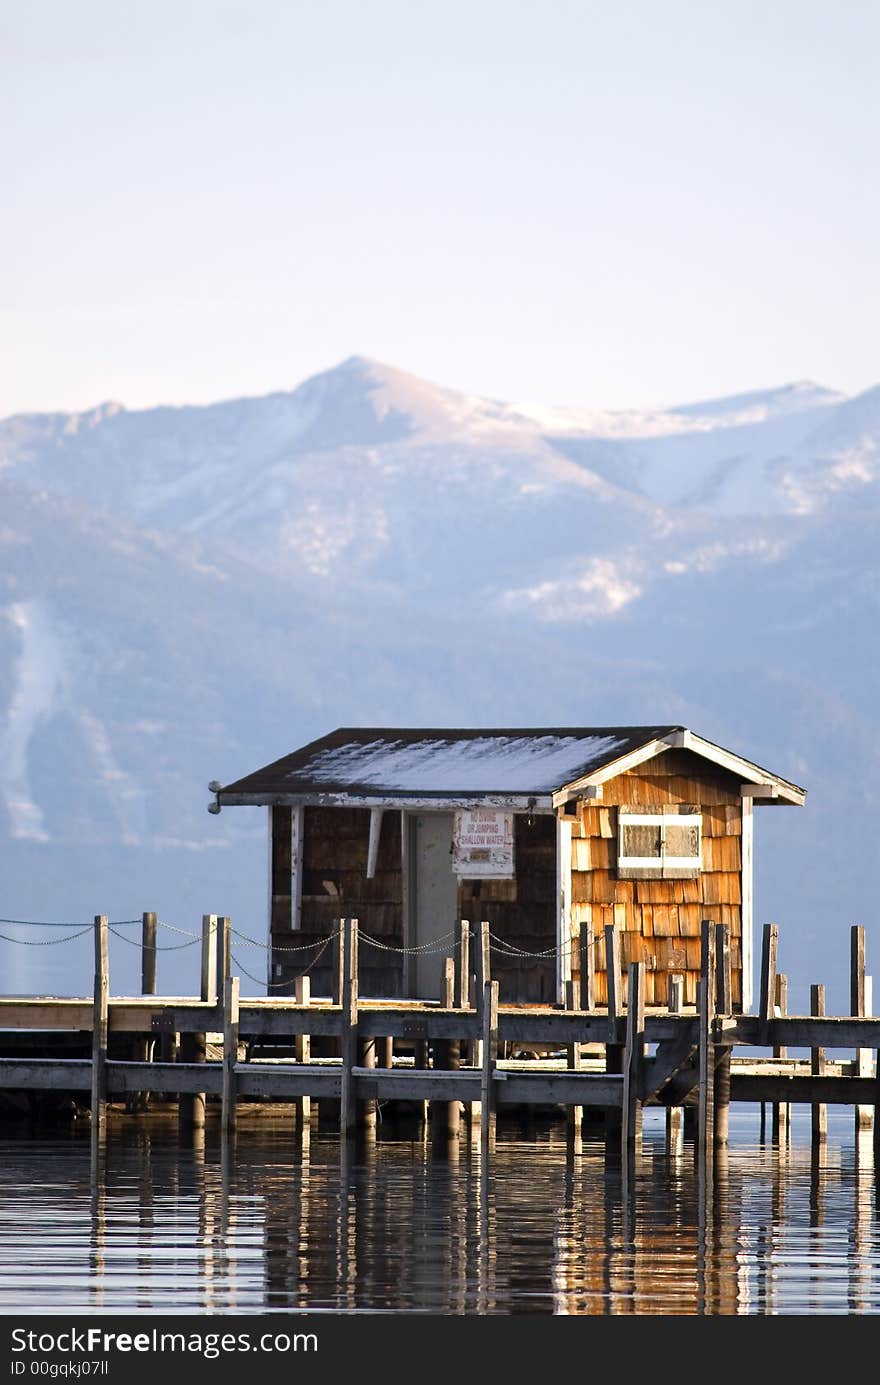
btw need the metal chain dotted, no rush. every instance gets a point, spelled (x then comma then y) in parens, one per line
(276, 985)
(136, 942)
(304, 947)
(40, 923)
(510, 950)
(184, 932)
(424, 949)
(49, 942)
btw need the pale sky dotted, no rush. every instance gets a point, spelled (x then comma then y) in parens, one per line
(618, 203)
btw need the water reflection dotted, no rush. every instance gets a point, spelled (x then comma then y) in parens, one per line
(552, 1222)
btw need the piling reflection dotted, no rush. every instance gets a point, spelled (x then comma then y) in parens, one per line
(280, 1216)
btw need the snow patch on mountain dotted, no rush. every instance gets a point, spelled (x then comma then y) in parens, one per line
(39, 676)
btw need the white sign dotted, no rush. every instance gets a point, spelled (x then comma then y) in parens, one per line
(482, 844)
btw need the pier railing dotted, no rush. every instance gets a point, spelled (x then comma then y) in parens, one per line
(463, 1056)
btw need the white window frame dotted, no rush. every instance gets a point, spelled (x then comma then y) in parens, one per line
(657, 865)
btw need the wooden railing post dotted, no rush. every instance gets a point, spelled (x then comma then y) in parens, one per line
(769, 949)
(303, 1046)
(463, 976)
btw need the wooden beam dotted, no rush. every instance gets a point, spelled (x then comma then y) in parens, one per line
(224, 956)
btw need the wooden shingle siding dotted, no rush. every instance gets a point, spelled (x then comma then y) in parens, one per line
(659, 920)
(335, 885)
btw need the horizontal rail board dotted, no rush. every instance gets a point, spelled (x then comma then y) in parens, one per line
(831, 1091)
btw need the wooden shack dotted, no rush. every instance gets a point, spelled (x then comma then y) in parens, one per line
(543, 832)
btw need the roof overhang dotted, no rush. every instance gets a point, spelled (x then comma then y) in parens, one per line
(756, 783)
(515, 803)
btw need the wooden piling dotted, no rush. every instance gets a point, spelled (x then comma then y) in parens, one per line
(302, 1049)
(614, 1053)
(858, 986)
(675, 1114)
(228, 1112)
(574, 1114)
(447, 1114)
(490, 1050)
(706, 1016)
(633, 1059)
(781, 1111)
(142, 1047)
(723, 1006)
(818, 1110)
(100, 1027)
(347, 1113)
(193, 1047)
(767, 994)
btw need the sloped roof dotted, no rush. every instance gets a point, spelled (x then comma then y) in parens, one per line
(367, 763)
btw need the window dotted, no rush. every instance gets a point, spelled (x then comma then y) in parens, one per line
(662, 845)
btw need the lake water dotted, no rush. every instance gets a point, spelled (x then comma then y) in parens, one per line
(538, 1227)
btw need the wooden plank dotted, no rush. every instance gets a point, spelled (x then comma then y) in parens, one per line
(803, 1090)
(819, 1115)
(100, 1028)
(347, 1113)
(767, 992)
(490, 1050)
(230, 1053)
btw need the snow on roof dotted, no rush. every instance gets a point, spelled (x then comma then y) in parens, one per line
(436, 762)
(488, 764)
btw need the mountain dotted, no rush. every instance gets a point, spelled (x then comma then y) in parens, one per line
(186, 593)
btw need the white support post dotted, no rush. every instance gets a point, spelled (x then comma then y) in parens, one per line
(375, 832)
(563, 906)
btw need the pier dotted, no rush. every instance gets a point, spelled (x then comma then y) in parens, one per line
(460, 1060)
